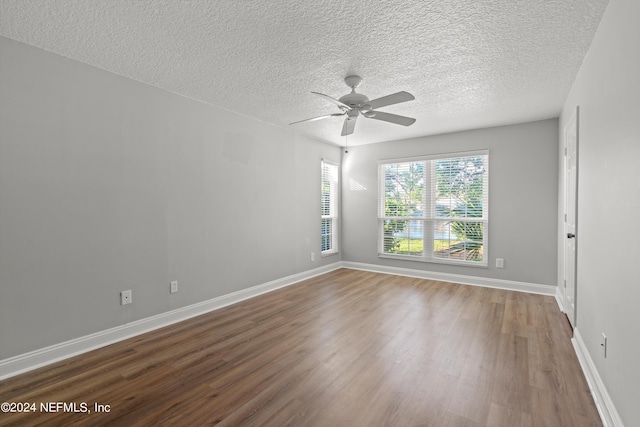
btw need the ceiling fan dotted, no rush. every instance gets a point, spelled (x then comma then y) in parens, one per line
(354, 104)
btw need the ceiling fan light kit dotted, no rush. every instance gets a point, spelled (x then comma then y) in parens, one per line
(354, 104)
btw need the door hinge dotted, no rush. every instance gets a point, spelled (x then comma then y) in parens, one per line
(565, 283)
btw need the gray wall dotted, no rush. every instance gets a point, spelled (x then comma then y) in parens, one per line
(523, 199)
(107, 184)
(607, 89)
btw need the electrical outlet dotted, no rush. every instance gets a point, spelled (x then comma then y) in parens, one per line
(313, 256)
(603, 345)
(174, 287)
(126, 297)
(499, 262)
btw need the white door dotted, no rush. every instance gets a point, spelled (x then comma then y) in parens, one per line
(571, 187)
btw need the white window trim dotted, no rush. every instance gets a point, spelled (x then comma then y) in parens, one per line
(427, 255)
(334, 215)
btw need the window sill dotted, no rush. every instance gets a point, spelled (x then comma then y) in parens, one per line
(435, 260)
(328, 253)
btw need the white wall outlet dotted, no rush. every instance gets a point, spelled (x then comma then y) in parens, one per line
(174, 287)
(603, 345)
(126, 297)
(499, 262)
(313, 256)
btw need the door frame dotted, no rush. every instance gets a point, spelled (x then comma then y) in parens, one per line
(570, 292)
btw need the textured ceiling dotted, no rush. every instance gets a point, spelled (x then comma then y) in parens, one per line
(470, 64)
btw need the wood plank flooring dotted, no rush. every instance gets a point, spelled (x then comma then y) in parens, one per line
(348, 348)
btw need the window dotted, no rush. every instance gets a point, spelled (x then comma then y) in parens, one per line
(329, 208)
(435, 208)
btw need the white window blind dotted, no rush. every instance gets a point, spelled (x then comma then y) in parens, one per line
(329, 207)
(435, 208)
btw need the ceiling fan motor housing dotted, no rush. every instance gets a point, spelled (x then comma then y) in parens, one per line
(354, 100)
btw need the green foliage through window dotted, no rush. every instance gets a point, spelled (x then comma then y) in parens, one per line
(435, 208)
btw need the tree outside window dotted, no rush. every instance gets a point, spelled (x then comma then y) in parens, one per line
(435, 208)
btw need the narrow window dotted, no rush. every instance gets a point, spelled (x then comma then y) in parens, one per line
(329, 208)
(435, 208)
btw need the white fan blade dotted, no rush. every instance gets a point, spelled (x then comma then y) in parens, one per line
(319, 117)
(393, 118)
(348, 126)
(335, 101)
(394, 98)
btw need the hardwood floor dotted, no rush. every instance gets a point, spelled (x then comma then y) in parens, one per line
(349, 348)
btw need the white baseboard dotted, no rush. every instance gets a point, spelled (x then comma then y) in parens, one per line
(560, 298)
(606, 408)
(45, 356)
(487, 282)
(35, 359)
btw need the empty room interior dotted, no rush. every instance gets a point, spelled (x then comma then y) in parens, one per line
(321, 213)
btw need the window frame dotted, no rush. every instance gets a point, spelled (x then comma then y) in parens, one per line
(429, 218)
(334, 207)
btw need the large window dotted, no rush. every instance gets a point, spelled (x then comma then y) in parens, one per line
(329, 208)
(435, 208)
